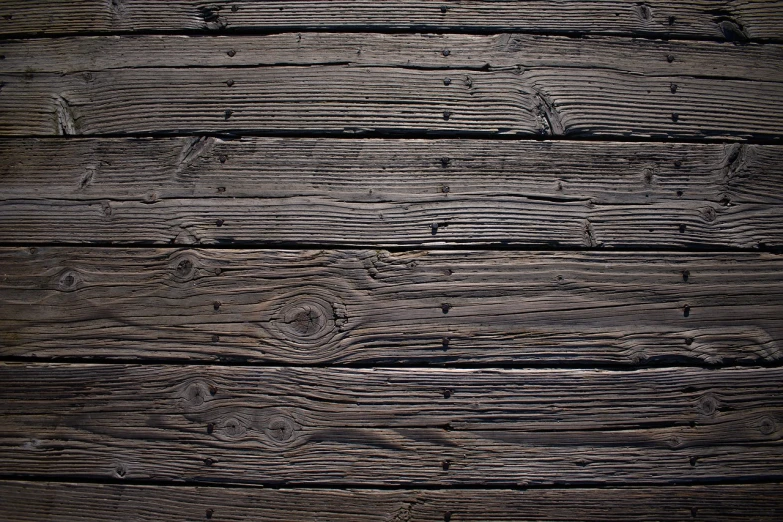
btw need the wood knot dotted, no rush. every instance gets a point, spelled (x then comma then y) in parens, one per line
(229, 428)
(150, 197)
(708, 214)
(649, 175)
(68, 281)
(733, 31)
(212, 18)
(280, 429)
(550, 122)
(120, 470)
(767, 426)
(184, 268)
(735, 163)
(645, 13)
(195, 393)
(707, 405)
(309, 321)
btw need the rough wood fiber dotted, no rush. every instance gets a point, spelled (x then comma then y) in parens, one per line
(733, 20)
(346, 99)
(36, 502)
(375, 307)
(390, 426)
(390, 192)
(647, 57)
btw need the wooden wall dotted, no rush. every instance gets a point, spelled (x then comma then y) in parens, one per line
(400, 260)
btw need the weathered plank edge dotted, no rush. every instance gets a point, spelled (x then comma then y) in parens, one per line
(735, 21)
(71, 502)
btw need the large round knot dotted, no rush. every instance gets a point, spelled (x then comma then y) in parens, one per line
(308, 320)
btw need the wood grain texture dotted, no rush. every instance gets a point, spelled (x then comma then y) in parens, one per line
(390, 192)
(405, 426)
(734, 20)
(376, 307)
(344, 99)
(63, 502)
(652, 58)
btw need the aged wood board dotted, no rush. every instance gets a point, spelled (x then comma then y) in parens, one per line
(403, 260)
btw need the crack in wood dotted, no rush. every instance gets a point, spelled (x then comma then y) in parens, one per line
(192, 149)
(735, 167)
(589, 234)
(211, 16)
(547, 115)
(65, 122)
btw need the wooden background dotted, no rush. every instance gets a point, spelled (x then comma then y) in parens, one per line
(400, 260)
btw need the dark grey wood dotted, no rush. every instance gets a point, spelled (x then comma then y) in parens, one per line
(733, 20)
(651, 58)
(491, 86)
(390, 426)
(503, 370)
(64, 502)
(390, 192)
(376, 307)
(344, 99)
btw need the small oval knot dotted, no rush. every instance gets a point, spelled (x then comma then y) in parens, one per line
(707, 405)
(196, 392)
(184, 268)
(708, 214)
(309, 320)
(120, 470)
(767, 426)
(68, 281)
(280, 429)
(233, 428)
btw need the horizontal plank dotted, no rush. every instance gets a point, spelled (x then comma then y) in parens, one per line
(374, 307)
(390, 192)
(64, 502)
(734, 20)
(582, 99)
(439, 51)
(390, 426)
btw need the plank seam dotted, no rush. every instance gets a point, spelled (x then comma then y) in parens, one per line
(664, 363)
(402, 134)
(413, 29)
(771, 479)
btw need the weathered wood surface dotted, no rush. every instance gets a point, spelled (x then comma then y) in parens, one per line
(406, 426)
(647, 57)
(376, 307)
(36, 502)
(734, 20)
(341, 99)
(390, 192)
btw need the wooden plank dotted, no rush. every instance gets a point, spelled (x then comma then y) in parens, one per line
(390, 192)
(343, 99)
(390, 426)
(376, 307)
(734, 20)
(647, 57)
(67, 502)
(560, 100)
